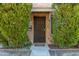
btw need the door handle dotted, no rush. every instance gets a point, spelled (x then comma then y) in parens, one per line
(44, 29)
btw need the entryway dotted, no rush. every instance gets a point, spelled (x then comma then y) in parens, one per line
(41, 29)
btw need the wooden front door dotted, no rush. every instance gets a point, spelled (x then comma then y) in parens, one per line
(39, 29)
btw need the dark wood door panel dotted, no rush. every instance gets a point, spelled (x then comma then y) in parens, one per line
(39, 29)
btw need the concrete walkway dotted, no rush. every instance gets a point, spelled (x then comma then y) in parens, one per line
(39, 50)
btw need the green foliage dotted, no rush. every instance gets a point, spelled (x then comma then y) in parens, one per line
(66, 25)
(14, 19)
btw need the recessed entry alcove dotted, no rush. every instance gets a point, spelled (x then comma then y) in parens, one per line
(41, 23)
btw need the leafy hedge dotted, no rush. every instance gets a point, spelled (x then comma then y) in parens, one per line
(14, 19)
(66, 25)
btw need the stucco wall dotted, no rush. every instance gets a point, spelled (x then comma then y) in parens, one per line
(42, 5)
(48, 30)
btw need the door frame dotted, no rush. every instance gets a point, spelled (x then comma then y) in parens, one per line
(40, 14)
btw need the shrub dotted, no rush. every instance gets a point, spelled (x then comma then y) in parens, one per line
(14, 19)
(66, 25)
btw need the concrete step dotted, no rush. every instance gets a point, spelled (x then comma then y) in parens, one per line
(39, 50)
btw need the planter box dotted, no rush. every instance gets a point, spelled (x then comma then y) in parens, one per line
(64, 52)
(15, 52)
